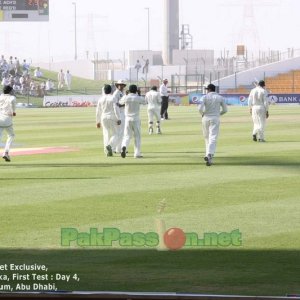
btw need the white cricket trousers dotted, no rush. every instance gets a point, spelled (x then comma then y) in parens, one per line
(154, 112)
(110, 133)
(259, 120)
(6, 125)
(133, 127)
(10, 137)
(210, 128)
(120, 133)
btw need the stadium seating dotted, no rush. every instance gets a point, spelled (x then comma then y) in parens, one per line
(281, 83)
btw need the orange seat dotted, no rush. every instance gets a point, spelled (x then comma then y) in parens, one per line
(282, 83)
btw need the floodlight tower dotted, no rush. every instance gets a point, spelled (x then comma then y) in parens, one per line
(170, 30)
(91, 41)
(75, 27)
(248, 34)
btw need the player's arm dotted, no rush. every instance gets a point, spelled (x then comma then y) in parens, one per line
(146, 98)
(98, 115)
(224, 107)
(201, 107)
(13, 106)
(117, 113)
(266, 103)
(159, 100)
(250, 101)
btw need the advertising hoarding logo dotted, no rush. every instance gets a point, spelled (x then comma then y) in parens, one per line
(243, 99)
(273, 99)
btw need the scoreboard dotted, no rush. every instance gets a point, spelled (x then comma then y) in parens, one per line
(24, 10)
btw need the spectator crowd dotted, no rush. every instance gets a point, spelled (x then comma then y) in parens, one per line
(18, 75)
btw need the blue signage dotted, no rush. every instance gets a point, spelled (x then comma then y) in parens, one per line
(242, 99)
(284, 98)
(231, 99)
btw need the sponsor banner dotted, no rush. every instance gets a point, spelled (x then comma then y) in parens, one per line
(242, 99)
(90, 100)
(71, 101)
(284, 98)
(175, 98)
(231, 99)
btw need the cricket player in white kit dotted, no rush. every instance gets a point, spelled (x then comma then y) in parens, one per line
(213, 105)
(108, 115)
(153, 99)
(132, 103)
(259, 109)
(118, 94)
(7, 112)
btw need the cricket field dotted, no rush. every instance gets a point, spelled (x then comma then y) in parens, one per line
(60, 187)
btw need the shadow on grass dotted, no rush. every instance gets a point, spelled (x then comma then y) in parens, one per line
(194, 157)
(178, 152)
(131, 162)
(242, 272)
(53, 178)
(282, 141)
(57, 165)
(259, 161)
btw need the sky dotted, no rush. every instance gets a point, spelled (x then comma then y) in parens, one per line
(112, 27)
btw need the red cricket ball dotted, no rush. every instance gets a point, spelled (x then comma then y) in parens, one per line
(174, 238)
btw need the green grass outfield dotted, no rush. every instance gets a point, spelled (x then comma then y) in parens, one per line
(253, 187)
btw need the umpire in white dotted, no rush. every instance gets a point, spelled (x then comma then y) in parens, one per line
(259, 109)
(212, 106)
(164, 93)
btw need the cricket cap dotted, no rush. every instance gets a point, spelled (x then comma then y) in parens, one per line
(107, 89)
(211, 87)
